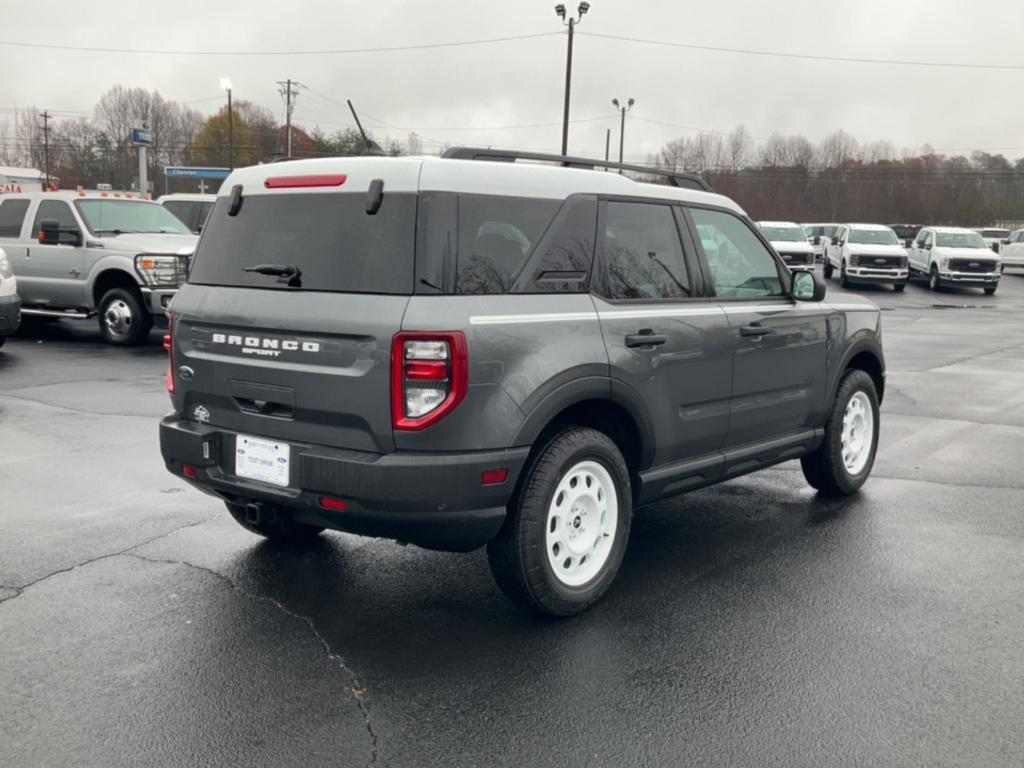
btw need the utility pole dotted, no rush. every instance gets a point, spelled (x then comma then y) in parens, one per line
(607, 143)
(46, 147)
(226, 85)
(622, 128)
(571, 24)
(289, 89)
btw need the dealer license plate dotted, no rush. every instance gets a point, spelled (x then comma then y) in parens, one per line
(263, 460)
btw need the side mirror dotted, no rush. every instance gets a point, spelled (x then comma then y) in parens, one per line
(50, 233)
(807, 286)
(816, 240)
(1006, 241)
(927, 246)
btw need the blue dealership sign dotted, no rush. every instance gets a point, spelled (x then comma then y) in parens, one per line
(196, 173)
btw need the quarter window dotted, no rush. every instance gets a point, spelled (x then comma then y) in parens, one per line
(643, 257)
(741, 266)
(12, 216)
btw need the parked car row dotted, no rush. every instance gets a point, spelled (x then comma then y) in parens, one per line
(893, 254)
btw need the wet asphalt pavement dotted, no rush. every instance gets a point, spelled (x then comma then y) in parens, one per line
(752, 624)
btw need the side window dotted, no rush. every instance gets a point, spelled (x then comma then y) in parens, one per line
(928, 238)
(12, 216)
(184, 210)
(561, 261)
(741, 266)
(496, 235)
(54, 209)
(643, 256)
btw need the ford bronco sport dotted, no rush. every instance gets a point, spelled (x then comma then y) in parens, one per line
(459, 352)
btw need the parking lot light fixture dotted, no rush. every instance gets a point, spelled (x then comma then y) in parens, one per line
(622, 128)
(571, 23)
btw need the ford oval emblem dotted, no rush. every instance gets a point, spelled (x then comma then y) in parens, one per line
(186, 373)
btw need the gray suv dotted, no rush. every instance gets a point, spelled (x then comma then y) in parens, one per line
(457, 353)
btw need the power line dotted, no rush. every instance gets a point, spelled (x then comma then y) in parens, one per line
(813, 57)
(304, 52)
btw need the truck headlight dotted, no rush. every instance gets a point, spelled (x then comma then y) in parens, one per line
(944, 264)
(854, 259)
(160, 270)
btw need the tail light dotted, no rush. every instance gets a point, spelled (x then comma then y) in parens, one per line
(169, 346)
(429, 377)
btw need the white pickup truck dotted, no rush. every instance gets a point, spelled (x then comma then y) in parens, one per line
(1012, 252)
(994, 237)
(954, 256)
(867, 253)
(790, 242)
(820, 235)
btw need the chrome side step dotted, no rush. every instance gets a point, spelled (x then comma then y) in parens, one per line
(69, 313)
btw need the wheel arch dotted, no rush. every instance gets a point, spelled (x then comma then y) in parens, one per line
(864, 355)
(111, 277)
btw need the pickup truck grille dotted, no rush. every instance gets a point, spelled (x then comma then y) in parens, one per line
(878, 262)
(972, 265)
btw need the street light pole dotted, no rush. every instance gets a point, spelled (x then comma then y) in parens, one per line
(571, 24)
(226, 85)
(622, 126)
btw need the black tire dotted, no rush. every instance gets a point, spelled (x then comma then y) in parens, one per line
(824, 469)
(827, 269)
(844, 281)
(124, 320)
(933, 279)
(990, 291)
(2, 340)
(899, 287)
(273, 523)
(518, 555)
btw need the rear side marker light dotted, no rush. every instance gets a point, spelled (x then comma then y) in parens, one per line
(494, 477)
(189, 471)
(429, 377)
(335, 505)
(169, 346)
(294, 182)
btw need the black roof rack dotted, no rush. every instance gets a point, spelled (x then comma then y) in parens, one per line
(676, 179)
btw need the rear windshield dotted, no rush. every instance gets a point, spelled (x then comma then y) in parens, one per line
(329, 237)
(994, 233)
(905, 232)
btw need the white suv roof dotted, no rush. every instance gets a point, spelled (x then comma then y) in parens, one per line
(414, 174)
(869, 227)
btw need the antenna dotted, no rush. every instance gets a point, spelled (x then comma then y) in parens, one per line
(372, 147)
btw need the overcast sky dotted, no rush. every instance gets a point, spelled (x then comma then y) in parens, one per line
(442, 92)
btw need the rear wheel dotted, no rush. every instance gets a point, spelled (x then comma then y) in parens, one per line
(273, 523)
(843, 461)
(933, 279)
(2, 340)
(123, 319)
(567, 526)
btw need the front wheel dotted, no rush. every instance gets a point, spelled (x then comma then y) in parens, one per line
(827, 269)
(899, 287)
(990, 291)
(844, 281)
(933, 279)
(567, 526)
(272, 523)
(843, 461)
(124, 321)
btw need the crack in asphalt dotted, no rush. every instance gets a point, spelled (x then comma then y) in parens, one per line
(21, 590)
(334, 659)
(1018, 345)
(84, 411)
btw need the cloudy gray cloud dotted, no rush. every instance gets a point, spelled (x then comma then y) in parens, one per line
(457, 95)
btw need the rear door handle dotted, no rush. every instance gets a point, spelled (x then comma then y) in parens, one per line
(757, 331)
(645, 338)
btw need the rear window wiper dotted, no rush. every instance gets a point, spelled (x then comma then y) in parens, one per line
(285, 273)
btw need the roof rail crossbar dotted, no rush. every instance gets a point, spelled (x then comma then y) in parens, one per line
(675, 178)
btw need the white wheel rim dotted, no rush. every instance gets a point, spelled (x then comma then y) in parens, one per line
(582, 519)
(858, 433)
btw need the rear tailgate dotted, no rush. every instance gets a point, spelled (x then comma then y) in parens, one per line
(311, 368)
(296, 290)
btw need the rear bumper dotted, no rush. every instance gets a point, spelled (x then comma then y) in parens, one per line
(10, 314)
(434, 500)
